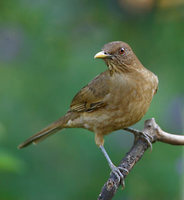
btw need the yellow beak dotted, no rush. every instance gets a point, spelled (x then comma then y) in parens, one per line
(102, 55)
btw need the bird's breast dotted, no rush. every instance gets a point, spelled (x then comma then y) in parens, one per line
(126, 103)
(130, 97)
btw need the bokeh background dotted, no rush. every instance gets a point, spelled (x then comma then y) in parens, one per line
(46, 56)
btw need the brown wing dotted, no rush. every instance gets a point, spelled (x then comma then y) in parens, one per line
(91, 97)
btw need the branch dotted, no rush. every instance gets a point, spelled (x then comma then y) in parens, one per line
(153, 131)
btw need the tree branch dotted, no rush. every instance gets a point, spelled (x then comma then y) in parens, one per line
(155, 133)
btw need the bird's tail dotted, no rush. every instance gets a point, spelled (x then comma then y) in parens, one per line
(43, 134)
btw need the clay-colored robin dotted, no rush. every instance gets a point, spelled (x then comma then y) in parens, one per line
(116, 99)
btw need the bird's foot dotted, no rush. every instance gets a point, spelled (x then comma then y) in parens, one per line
(117, 171)
(148, 138)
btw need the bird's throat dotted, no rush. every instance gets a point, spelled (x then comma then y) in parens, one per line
(119, 68)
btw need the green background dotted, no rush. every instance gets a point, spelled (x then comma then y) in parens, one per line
(46, 56)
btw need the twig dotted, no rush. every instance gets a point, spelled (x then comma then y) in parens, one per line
(155, 133)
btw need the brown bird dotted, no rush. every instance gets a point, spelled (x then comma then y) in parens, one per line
(116, 99)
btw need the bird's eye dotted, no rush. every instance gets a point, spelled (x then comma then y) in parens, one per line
(122, 50)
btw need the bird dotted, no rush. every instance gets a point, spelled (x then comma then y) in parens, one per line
(115, 99)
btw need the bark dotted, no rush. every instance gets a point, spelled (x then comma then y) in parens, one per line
(154, 133)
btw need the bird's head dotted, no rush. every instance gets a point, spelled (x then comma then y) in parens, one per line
(118, 56)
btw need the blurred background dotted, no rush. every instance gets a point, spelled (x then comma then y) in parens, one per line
(46, 56)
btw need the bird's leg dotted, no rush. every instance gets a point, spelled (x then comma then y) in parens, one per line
(115, 170)
(138, 133)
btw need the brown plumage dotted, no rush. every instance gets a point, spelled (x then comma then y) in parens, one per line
(115, 99)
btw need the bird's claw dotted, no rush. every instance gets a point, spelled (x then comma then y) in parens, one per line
(148, 139)
(123, 169)
(119, 175)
